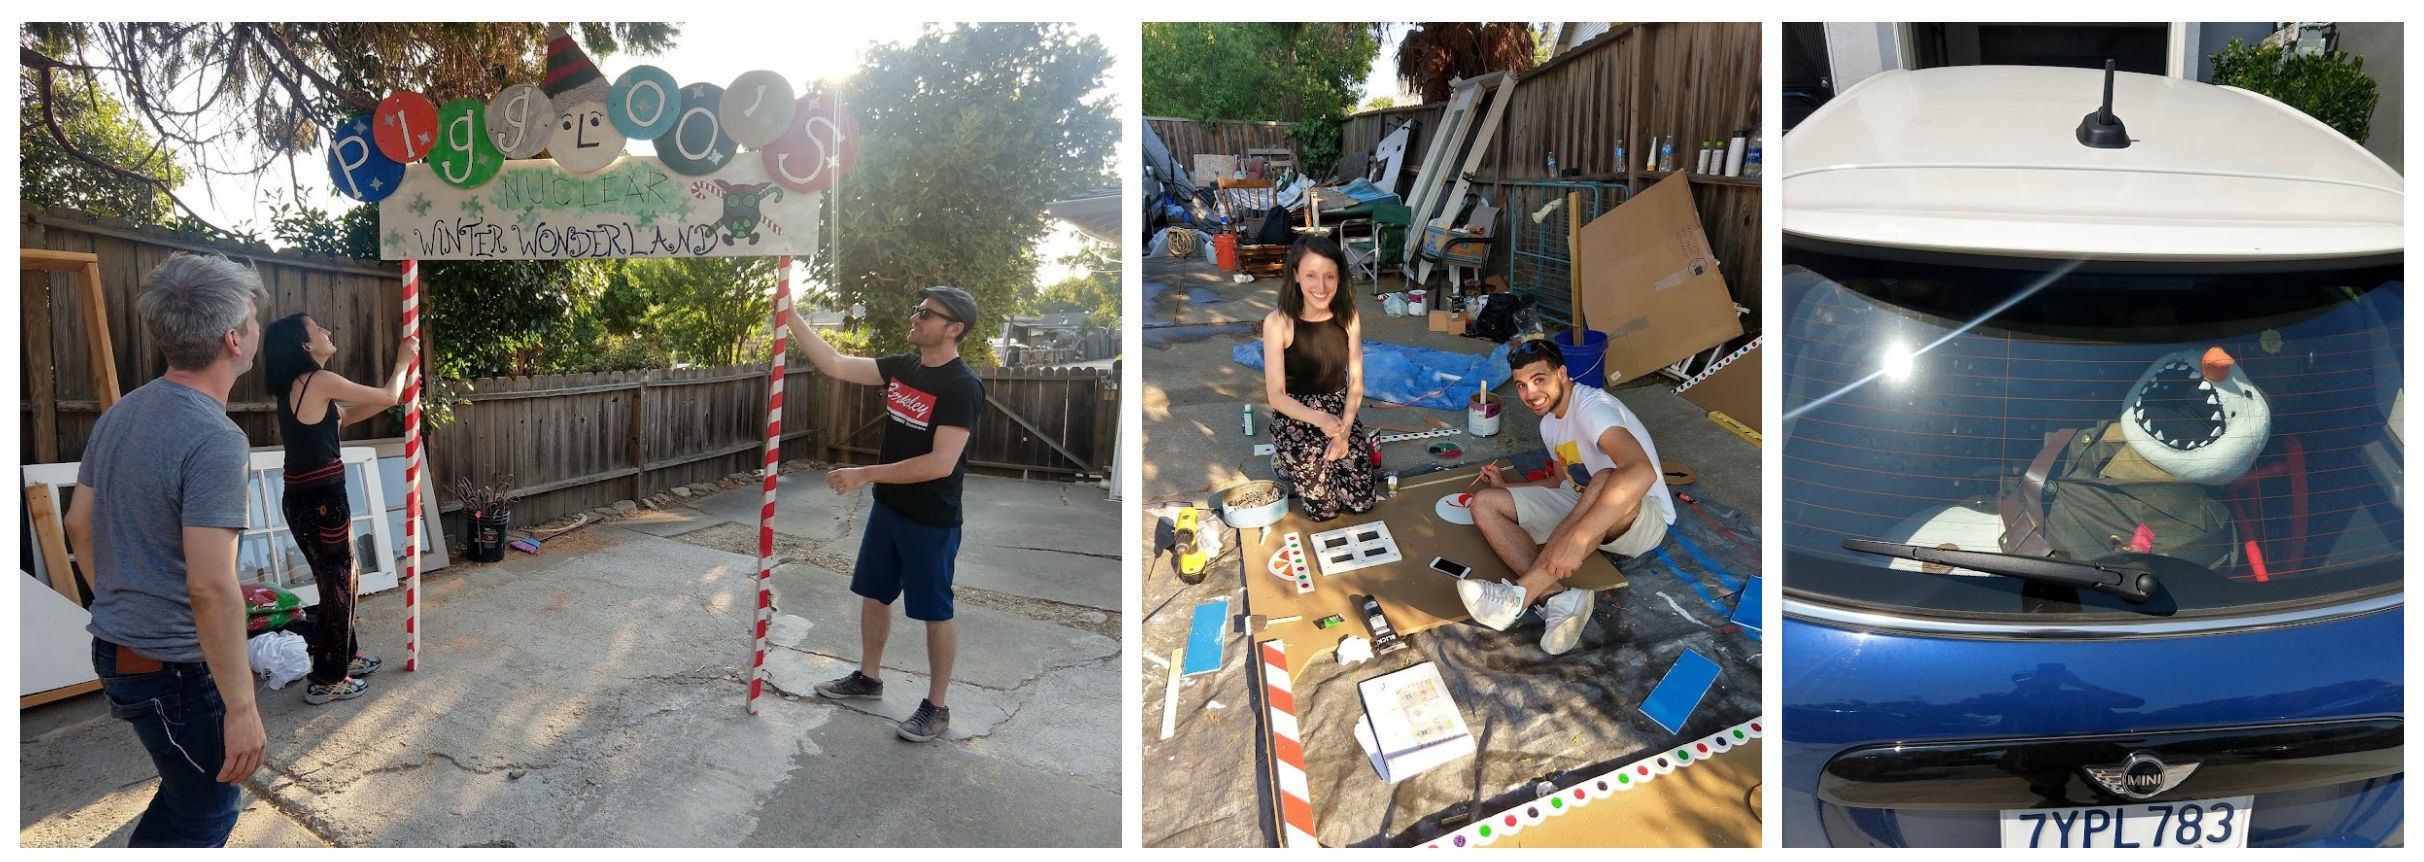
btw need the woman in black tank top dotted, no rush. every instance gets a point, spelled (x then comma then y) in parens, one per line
(313, 404)
(1313, 378)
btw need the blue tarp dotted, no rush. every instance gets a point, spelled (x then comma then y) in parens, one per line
(1419, 376)
(1363, 191)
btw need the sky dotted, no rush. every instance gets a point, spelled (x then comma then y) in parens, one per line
(713, 51)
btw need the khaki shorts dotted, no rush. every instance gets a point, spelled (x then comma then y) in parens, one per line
(1539, 510)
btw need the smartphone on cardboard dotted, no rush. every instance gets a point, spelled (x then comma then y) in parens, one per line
(1453, 568)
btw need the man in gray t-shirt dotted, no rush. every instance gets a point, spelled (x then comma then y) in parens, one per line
(158, 511)
(164, 458)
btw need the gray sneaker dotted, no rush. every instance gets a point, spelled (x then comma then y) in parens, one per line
(855, 685)
(929, 722)
(1565, 614)
(318, 693)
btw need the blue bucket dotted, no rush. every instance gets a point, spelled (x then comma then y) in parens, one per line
(1587, 363)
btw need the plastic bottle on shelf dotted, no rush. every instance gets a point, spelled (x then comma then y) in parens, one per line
(1620, 163)
(1733, 155)
(1666, 155)
(1750, 158)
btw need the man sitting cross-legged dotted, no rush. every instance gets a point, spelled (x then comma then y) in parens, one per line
(1544, 530)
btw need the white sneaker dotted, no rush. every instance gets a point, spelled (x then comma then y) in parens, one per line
(1566, 614)
(1492, 603)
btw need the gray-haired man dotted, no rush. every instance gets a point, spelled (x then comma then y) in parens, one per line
(159, 507)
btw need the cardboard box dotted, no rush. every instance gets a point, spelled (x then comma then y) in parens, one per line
(1732, 390)
(1650, 283)
(1445, 321)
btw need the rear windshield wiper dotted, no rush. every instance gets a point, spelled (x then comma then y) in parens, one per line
(2133, 583)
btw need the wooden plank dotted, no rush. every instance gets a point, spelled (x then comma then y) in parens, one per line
(52, 260)
(40, 377)
(1454, 122)
(29, 701)
(96, 318)
(1501, 96)
(51, 536)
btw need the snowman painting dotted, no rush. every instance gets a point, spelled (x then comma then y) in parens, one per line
(582, 140)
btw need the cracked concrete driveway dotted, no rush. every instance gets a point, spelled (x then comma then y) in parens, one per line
(592, 696)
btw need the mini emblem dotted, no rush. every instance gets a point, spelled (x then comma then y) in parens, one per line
(2142, 776)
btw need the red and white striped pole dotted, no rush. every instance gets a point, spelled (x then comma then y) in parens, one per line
(1287, 749)
(774, 458)
(412, 471)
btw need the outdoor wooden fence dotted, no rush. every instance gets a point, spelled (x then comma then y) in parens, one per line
(1186, 138)
(564, 443)
(62, 397)
(1693, 81)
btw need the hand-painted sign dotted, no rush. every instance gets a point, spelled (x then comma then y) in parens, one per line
(638, 207)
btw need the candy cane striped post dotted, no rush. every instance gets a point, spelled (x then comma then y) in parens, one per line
(1287, 750)
(412, 471)
(774, 457)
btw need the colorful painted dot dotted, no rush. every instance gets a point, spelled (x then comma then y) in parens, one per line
(1485, 830)
(1642, 769)
(1578, 791)
(1603, 783)
(1720, 741)
(1622, 779)
(1738, 734)
(1532, 812)
(1510, 820)
(1557, 803)
(1460, 840)
(1755, 727)
(1683, 756)
(1703, 747)
(1662, 762)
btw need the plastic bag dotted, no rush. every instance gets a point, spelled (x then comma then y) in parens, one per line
(279, 658)
(267, 607)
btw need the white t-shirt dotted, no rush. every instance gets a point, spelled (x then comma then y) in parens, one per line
(1574, 439)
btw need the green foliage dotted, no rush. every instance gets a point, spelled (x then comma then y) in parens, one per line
(2332, 88)
(1255, 71)
(1093, 290)
(707, 310)
(99, 125)
(965, 135)
(1379, 103)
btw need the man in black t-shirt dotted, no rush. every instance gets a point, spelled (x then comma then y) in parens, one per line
(932, 401)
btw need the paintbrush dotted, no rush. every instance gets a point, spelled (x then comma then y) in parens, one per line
(1477, 474)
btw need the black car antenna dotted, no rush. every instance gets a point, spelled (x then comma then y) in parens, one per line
(2100, 129)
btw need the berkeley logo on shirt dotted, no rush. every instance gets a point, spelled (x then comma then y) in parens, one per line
(908, 405)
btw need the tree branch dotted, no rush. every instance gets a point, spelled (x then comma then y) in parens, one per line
(50, 122)
(351, 98)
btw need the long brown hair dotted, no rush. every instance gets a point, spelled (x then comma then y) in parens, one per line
(1292, 295)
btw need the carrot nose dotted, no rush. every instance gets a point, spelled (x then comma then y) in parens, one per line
(2217, 364)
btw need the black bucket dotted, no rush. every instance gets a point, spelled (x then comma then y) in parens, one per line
(488, 535)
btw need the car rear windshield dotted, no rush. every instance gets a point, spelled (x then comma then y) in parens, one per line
(2232, 428)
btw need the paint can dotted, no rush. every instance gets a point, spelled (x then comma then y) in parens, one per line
(1416, 299)
(1481, 414)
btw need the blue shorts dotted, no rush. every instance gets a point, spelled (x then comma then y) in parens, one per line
(898, 557)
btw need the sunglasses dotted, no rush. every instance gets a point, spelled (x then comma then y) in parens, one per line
(922, 312)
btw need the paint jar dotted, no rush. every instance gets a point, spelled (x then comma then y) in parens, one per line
(1481, 414)
(1416, 299)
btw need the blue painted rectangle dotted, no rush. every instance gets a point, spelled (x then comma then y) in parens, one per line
(1748, 611)
(1205, 637)
(1679, 693)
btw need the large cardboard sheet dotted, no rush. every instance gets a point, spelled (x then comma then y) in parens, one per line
(1414, 596)
(1650, 282)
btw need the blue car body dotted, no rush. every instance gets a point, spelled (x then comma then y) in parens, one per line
(1848, 688)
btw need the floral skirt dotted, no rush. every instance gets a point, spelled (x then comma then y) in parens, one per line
(1324, 487)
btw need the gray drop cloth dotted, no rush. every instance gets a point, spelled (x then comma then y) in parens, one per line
(1534, 716)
